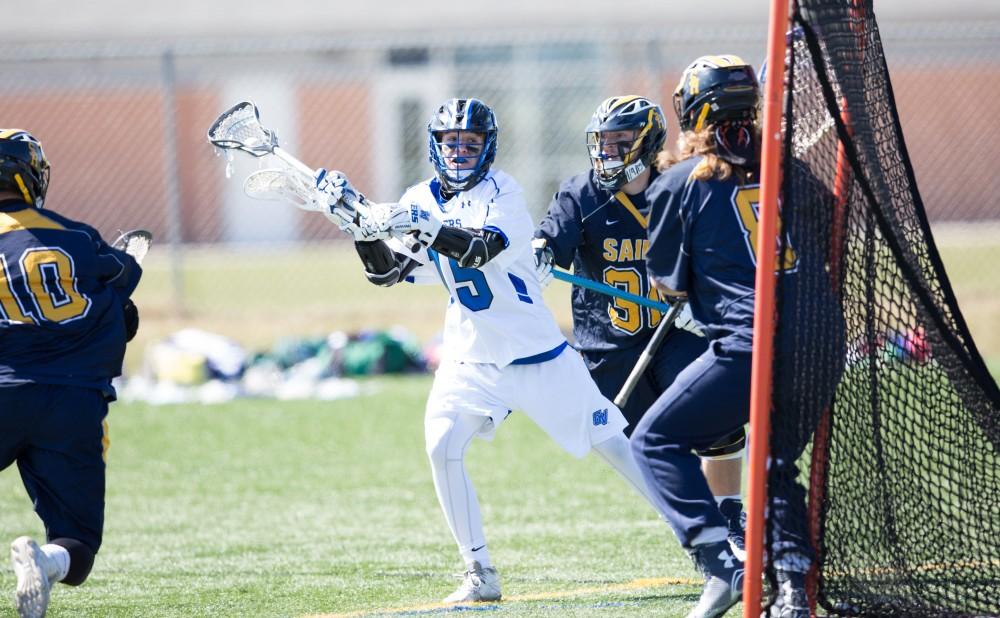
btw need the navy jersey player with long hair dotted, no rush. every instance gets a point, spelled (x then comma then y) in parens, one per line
(65, 317)
(701, 247)
(597, 222)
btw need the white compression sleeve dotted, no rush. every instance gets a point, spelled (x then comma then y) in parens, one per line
(618, 453)
(447, 438)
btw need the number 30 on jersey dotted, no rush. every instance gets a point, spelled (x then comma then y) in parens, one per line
(626, 315)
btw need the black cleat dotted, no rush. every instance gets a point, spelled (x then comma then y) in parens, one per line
(736, 522)
(723, 573)
(791, 600)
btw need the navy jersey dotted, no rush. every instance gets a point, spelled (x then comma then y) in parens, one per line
(703, 237)
(62, 289)
(603, 236)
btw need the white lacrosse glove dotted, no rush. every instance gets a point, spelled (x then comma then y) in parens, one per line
(544, 259)
(340, 197)
(374, 225)
(685, 321)
(411, 218)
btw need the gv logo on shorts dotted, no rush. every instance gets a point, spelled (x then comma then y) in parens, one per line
(601, 417)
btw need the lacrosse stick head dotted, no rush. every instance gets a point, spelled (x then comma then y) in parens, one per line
(135, 243)
(279, 184)
(239, 128)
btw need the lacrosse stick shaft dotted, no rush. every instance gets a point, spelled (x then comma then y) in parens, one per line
(293, 162)
(590, 284)
(647, 354)
(301, 167)
(239, 128)
(409, 242)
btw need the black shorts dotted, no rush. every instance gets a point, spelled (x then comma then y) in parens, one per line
(57, 436)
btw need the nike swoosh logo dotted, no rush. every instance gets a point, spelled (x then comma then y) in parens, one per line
(477, 548)
(610, 221)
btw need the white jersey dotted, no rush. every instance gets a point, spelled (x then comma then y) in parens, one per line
(496, 313)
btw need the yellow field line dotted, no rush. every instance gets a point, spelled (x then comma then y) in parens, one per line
(635, 584)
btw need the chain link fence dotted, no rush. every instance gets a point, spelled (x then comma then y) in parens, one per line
(124, 124)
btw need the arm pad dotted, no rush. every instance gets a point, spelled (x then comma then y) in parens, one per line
(131, 313)
(383, 266)
(470, 248)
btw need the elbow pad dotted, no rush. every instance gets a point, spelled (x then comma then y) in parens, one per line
(381, 265)
(131, 313)
(470, 248)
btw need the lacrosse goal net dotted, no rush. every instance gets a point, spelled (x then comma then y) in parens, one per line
(894, 426)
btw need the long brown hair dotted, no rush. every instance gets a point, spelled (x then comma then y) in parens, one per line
(701, 143)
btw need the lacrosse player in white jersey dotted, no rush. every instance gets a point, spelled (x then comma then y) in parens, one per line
(502, 348)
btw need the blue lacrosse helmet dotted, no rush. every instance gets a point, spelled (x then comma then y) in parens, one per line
(715, 89)
(641, 122)
(454, 119)
(23, 166)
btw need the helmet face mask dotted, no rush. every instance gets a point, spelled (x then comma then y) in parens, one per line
(623, 137)
(462, 143)
(24, 170)
(461, 153)
(716, 89)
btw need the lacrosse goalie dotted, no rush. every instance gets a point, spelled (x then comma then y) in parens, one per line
(503, 349)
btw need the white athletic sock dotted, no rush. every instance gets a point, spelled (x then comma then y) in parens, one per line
(618, 453)
(58, 561)
(477, 554)
(447, 438)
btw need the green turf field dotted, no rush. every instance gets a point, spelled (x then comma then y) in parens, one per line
(264, 508)
(261, 508)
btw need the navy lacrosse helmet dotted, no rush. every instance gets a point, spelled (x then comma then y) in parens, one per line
(450, 157)
(715, 89)
(617, 163)
(23, 166)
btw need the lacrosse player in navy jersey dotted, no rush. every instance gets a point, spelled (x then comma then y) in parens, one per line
(597, 223)
(702, 219)
(502, 348)
(65, 316)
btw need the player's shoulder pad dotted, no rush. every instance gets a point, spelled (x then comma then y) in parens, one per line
(414, 192)
(498, 183)
(589, 195)
(677, 175)
(578, 186)
(72, 224)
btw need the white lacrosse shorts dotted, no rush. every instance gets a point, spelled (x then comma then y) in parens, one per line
(558, 395)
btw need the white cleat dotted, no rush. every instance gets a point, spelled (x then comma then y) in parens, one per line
(478, 584)
(31, 597)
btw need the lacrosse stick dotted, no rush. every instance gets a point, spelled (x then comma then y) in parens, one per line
(134, 242)
(279, 184)
(609, 290)
(239, 128)
(648, 354)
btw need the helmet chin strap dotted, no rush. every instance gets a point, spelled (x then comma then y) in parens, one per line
(621, 174)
